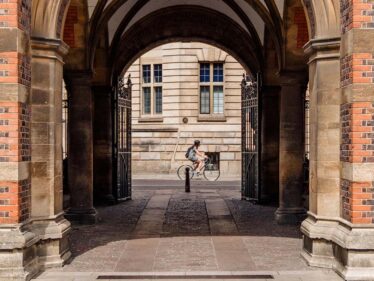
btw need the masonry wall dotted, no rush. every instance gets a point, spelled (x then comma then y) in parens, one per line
(357, 108)
(15, 82)
(160, 143)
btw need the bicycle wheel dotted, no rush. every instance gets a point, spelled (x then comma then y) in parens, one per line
(182, 172)
(210, 173)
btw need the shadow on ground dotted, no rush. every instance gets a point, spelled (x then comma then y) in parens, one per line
(165, 229)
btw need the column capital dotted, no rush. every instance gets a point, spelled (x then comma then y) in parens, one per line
(323, 49)
(48, 48)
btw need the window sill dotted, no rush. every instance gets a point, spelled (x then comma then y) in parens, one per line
(151, 119)
(211, 118)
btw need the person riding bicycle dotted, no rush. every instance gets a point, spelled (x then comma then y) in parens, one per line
(197, 157)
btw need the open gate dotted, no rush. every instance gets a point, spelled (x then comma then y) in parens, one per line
(122, 140)
(251, 139)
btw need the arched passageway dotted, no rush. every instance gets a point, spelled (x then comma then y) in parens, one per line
(264, 35)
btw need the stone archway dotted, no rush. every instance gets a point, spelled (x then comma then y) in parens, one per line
(35, 231)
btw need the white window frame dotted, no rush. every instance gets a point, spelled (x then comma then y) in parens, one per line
(152, 85)
(211, 84)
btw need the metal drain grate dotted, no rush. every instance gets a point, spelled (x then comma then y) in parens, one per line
(181, 277)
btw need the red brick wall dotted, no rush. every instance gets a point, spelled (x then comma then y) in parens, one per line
(14, 132)
(69, 31)
(14, 147)
(15, 73)
(357, 145)
(15, 68)
(358, 201)
(16, 13)
(15, 200)
(357, 68)
(357, 118)
(302, 27)
(356, 14)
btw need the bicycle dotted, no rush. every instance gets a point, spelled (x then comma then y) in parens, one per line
(209, 171)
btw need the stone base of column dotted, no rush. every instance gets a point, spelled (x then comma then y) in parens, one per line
(293, 216)
(18, 253)
(335, 243)
(81, 216)
(53, 248)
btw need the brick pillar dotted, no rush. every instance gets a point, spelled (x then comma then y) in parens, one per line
(339, 232)
(15, 153)
(357, 112)
(46, 164)
(80, 142)
(291, 149)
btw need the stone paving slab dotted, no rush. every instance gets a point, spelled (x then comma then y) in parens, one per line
(164, 230)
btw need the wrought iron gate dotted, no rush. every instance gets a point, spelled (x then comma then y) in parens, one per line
(251, 139)
(122, 140)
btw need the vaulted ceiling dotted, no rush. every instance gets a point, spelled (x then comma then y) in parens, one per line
(119, 17)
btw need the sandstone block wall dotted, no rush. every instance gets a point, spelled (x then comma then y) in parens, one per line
(160, 142)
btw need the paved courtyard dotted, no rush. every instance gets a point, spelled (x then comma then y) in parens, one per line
(165, 233)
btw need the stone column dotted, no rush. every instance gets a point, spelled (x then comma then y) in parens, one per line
(270, 144)
(103, 144)
(80, 142)
(324, 175)
(291, 149)
(46, 140)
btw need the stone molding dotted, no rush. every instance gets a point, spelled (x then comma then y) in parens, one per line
(323, 49)
(48, 48)
(341, 232)
(57, 227)
(351, 244)
(17, 236)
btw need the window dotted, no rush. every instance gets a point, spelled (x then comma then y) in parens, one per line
(211, 88)
(205, 72)
(218, 72)
(147, 100)
(152, 89)
(146, 73)
(218, 99)
(214, 158)
(158, 73)
(204, 100)
(158, 100)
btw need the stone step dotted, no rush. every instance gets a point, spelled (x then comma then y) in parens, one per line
(195, 276)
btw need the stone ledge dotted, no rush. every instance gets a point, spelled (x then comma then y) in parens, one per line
(153, 119)
(18, 253)
(155, 130)
(335, 243)
(51, 228)
(16, 237)
(211, 118)
(339, 231)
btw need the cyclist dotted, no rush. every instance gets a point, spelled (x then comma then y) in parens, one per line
(197, 157)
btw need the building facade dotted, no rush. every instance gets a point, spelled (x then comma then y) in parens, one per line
(182, 92)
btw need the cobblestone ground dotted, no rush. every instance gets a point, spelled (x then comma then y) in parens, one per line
(208, 232)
